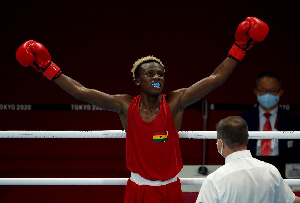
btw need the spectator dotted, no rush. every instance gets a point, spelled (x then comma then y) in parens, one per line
(268, 116)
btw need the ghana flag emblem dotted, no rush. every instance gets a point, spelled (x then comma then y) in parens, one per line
(160, 136)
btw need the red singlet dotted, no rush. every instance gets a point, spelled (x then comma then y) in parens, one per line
(152, 148)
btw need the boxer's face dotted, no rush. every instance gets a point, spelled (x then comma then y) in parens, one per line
(151, 78)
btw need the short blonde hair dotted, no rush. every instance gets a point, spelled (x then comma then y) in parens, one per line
(142, 60)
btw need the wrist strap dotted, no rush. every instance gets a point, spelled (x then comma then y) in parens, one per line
(237, 53)
(52, 71)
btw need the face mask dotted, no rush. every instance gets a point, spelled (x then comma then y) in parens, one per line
(221, 150)
(268, 100)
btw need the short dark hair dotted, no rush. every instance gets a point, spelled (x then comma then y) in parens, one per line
(270, 75)
(233, 130)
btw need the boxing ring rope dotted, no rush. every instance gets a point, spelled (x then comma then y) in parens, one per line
(100, 181)
(122, 134)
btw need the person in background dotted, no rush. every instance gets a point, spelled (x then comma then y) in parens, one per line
(268, 116)
(242, 178)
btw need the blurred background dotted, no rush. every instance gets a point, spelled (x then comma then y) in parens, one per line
(96, 43)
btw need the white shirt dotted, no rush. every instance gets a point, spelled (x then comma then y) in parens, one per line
(262, 121)
(244, 179)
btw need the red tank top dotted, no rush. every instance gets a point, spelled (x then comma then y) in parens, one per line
(152, 148)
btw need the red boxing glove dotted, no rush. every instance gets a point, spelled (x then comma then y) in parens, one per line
(32, 53)
(248, 32)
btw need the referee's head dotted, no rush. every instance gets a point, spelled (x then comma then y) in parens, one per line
(233, 130)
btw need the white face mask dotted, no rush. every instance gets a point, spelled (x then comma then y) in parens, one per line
(221, 150)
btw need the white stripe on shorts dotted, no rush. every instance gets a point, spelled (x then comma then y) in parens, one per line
(135, 177)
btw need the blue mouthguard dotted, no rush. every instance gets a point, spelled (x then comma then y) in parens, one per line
(155, 85)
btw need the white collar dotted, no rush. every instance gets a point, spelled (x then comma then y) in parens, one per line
(237, 155)
(273, 112)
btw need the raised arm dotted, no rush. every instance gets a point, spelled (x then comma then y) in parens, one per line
(34, 54)
(247, 33)
(115, 103)
(206, 85)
